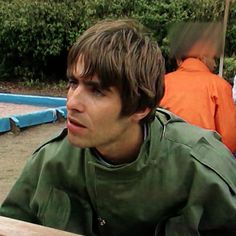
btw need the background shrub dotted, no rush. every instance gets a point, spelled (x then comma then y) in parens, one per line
(35, 35)
(229, 69)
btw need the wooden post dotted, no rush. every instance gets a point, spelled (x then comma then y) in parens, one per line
(14, 128)
(226, 15)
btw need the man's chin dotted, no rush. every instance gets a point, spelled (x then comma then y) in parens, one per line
(76, 142)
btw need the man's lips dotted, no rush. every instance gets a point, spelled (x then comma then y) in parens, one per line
(74, 122)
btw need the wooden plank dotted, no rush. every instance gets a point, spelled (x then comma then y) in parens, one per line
(12, 227)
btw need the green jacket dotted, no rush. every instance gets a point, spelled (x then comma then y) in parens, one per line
(182, 183)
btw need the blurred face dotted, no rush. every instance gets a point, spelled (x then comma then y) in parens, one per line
(94, 114)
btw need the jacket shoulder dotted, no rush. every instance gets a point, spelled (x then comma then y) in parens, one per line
(179, 131)
(58, 137)
(198, 145)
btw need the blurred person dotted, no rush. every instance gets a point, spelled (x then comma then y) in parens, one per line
(202, 98)
(123, 166)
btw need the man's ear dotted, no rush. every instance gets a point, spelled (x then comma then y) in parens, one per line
(139, 115)
(179, 62)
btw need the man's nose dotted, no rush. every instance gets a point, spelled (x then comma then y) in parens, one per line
(75, 99)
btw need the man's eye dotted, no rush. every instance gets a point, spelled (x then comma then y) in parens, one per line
(72, 84)
(97, 92)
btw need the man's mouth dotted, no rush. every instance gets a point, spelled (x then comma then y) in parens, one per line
(74, 122)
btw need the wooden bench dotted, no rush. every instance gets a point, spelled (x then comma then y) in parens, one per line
(12, 227)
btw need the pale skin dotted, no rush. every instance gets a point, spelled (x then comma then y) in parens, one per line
(94, 120)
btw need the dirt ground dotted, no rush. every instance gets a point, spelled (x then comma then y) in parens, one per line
(44, 90)
(16, 148)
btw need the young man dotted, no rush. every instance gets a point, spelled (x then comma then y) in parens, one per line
(121, 167)
(202, 98)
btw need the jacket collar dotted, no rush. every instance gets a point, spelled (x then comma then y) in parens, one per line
(150, 153)
(193, 65)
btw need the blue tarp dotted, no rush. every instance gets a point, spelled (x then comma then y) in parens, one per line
(33, 100)
(33, 118)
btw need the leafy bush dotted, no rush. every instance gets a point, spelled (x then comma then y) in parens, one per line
(229, 69)
(35, 34)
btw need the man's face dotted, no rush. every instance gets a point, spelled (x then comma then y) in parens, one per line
(94, 114)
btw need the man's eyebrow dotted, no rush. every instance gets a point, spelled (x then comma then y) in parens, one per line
(92, 83)
(95, 84)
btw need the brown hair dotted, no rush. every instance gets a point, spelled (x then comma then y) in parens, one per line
(122, 55)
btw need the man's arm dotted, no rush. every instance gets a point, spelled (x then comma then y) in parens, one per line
(17, 203)
(210, 205)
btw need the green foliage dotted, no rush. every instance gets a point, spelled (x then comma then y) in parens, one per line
(35, 35)
(229, 69)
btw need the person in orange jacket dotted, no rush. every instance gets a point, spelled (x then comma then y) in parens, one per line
(196, 94)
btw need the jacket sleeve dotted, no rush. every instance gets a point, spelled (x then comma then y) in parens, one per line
(212, 213)
(20, 202)
(17, 203)
(210, 208)
(225, 114)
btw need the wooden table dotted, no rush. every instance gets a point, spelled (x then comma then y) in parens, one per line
(11, 227)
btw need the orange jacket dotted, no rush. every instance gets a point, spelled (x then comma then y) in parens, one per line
(202, 98)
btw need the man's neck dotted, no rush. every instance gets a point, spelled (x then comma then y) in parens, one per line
(125, 151)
